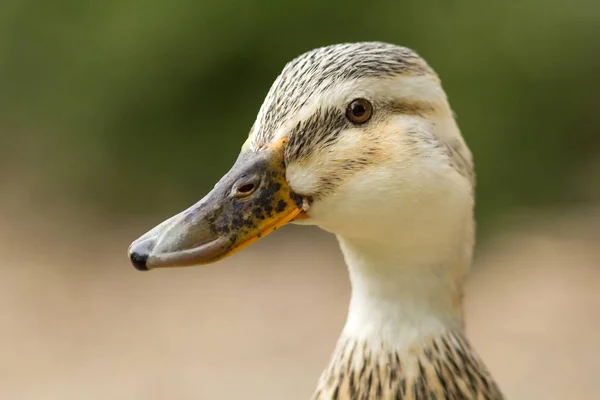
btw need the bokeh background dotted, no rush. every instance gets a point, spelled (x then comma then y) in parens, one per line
(115, 115)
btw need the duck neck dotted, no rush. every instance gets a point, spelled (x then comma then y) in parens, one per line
(404, 334)
(402, 293)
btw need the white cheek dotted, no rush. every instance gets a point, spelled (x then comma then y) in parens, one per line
(302, 180)
(412, 201)
(360, 200)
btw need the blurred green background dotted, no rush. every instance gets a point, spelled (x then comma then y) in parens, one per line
(115, 115)
(138, 107)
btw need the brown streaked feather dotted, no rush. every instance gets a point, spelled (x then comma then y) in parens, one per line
(440, 368)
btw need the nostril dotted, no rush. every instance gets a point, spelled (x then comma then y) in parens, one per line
(245, 188)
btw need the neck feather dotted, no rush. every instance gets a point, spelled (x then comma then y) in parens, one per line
(442, 366)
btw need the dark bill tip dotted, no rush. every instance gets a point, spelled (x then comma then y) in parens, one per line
(140, 251)
(139, 260)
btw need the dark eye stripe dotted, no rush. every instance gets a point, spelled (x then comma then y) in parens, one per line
(323, 127)
(320, 130)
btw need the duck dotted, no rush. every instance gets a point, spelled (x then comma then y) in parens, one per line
(358, 139)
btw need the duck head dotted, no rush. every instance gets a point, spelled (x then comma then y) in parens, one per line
(358, 139)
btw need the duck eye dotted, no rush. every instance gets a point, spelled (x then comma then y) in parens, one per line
(359, 111)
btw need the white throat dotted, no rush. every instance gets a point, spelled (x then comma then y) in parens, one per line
(405, 291)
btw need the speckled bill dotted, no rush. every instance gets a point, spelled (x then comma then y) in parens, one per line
(252, 200)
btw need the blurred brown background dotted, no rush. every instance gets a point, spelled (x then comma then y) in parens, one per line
(115, 115)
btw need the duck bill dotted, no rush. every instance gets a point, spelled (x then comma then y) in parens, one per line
(225, 220)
